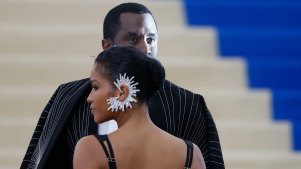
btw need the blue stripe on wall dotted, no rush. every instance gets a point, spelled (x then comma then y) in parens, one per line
(274, 73)
(267, 13)
(267, 33)
(296, 134)
(260, 42)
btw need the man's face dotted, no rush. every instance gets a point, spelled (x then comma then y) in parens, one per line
(139, 31)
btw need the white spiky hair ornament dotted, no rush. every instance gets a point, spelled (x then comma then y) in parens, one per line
(114, 103)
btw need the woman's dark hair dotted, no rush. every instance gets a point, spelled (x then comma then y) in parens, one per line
(148, 72)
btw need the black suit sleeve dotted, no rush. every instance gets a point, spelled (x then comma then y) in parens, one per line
(213, 156)
(50, 132)
(38, 130)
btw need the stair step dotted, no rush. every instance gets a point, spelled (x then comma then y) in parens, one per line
(53, 12)
(31, 99)
(86, 40)
(262, 159)
(239, 104)
(17, 131)
(223, 104)
(260, 135)
(193, 73)
(234, 135)
(11, 158)
(42, 71)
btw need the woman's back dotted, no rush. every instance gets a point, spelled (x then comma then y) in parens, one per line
(151, 148)
(146, 148)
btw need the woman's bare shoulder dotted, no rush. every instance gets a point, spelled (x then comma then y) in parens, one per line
(89, 154)
(198, 159)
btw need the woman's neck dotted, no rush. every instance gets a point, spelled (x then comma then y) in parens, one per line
(134, 117)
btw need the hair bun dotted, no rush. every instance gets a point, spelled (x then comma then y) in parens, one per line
(148, 72)
(156, 76)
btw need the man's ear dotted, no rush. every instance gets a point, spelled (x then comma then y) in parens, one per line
(106, 43)
(125, 92)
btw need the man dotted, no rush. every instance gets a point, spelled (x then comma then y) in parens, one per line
(67, 117)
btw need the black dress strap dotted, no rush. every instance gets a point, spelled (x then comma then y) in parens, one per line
(111, 157)
(189, 155)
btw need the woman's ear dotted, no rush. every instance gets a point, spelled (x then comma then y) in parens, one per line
(125, 92)
(106, 43)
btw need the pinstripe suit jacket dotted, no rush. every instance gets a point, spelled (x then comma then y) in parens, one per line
(67, 118)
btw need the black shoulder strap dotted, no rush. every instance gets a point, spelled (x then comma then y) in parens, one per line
(189, 155)
(111, 159)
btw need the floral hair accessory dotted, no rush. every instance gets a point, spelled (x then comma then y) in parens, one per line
(114, 103)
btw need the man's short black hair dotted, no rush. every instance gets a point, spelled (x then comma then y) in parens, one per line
(111, 24)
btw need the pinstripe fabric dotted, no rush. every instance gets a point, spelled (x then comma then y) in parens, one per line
(37, 133)
(48, 125)
(185, 115)
(174, 109)
(79, 126)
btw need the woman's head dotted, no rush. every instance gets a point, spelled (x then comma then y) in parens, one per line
(116, 61)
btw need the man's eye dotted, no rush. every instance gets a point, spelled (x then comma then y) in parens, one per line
(134, 40)
(150, 40)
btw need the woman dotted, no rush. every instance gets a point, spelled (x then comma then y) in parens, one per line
(123, 80)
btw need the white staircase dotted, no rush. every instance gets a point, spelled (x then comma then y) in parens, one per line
(46, 43)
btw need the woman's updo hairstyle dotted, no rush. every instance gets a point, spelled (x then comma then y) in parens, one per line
(148, 72)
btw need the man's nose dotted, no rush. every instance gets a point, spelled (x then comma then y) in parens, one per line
(145, 48)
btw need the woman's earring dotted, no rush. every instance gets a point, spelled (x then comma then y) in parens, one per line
(114, 103)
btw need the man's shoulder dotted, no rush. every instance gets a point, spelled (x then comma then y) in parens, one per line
(168, 85)
(75, 83)
(72, 91)
(74, 87)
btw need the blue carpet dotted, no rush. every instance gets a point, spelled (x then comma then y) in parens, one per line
(267, 33)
